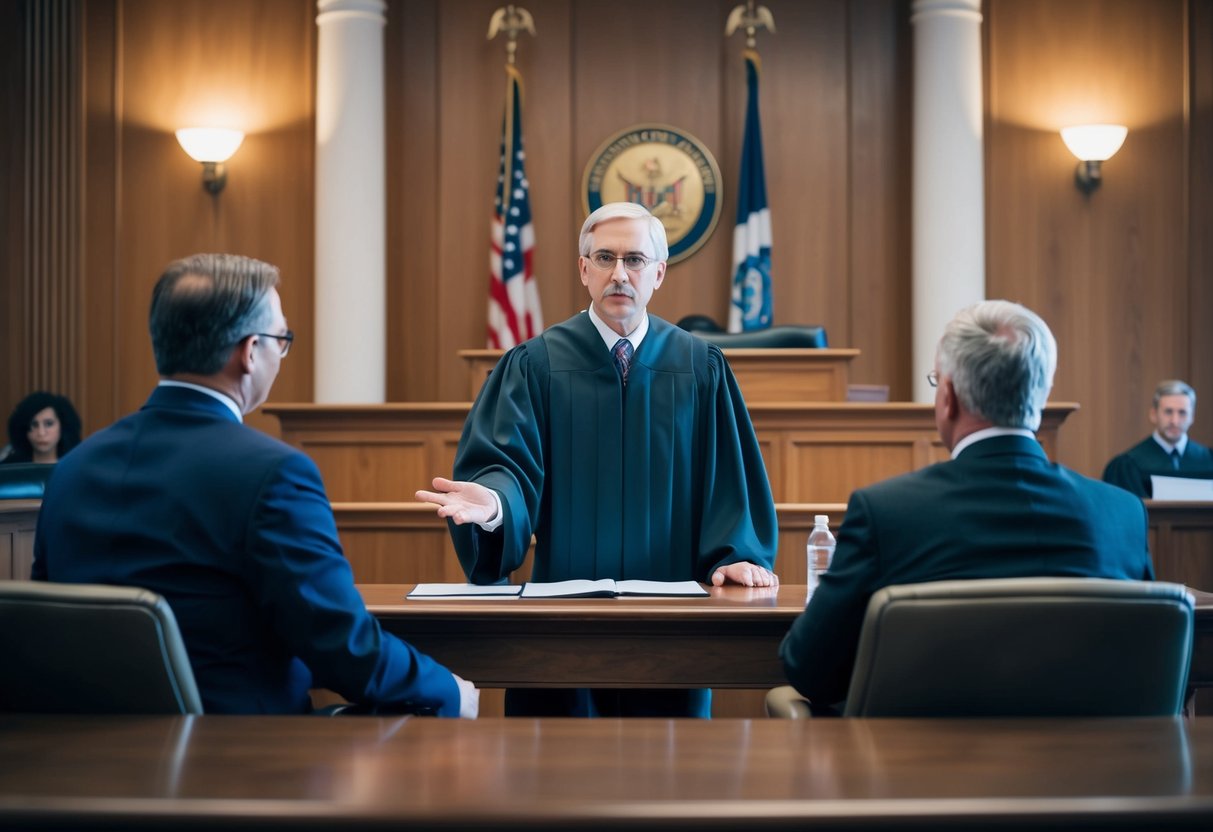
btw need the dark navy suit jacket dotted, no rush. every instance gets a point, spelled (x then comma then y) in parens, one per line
(233, 528)
(999, 510)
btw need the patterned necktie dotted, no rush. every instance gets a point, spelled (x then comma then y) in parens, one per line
(1175, 458)
(623, 357)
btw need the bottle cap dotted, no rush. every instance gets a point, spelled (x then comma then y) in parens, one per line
(821, 520)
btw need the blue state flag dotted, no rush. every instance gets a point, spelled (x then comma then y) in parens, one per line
(751, 305)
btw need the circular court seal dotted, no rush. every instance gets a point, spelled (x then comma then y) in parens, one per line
(665, 169)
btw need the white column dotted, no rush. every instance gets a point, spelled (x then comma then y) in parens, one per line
(948, 208)
(351, 259)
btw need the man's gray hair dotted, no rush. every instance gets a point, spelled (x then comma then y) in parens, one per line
(1174, 387)
(203, 306)
(1001, 358)
(624, 211)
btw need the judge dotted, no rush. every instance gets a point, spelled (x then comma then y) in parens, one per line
(623, 444)
(1168, 451)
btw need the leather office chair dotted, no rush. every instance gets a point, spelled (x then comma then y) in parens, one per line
(1019, 647)
(84, 648)
(775, 337)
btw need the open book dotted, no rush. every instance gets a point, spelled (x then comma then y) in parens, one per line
(464, 591)
(605, 587)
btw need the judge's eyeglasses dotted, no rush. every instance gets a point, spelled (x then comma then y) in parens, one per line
(605, 260)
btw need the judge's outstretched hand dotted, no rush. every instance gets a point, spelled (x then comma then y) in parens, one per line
(746, 574)
(463, 502)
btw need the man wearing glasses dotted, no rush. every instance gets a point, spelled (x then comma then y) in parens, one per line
(998, 509)
(622, 443)
(231, 526)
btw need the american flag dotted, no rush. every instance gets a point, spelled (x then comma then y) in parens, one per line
(514, 313)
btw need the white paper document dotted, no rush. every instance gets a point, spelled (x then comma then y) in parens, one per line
(1181, 488)
(605, 587)
(465, 591)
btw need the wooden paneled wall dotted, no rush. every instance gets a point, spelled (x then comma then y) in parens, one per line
(1125, 276)
(835, 122)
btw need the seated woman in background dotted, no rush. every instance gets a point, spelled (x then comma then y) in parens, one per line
(43, 428)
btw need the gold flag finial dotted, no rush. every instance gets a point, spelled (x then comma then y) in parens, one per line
(511, 19)
(751, 18)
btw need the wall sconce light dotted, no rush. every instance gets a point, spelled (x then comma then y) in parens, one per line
(212, 146)
(1093, 144)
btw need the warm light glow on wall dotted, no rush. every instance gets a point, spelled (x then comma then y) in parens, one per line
(1093, 144)
(212, 146)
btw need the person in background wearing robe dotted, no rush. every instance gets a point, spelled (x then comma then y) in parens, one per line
(1168, 452)
(623, 444)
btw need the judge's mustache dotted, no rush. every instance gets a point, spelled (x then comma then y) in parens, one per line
(626, 291)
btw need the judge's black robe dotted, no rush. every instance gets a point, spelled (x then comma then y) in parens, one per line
(1132, 469)
(659, 480)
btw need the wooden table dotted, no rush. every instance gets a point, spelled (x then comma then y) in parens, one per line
(728, 640)
(235, 773)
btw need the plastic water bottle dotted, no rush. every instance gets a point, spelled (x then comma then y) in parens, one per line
(820, 551)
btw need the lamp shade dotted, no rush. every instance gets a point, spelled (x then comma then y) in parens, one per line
(209, 144)
(1094, 142)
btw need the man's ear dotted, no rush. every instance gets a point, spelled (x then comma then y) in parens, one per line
(951, 404)
(243, 355)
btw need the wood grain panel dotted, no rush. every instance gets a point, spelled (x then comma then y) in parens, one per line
(1108, 271)
(14, 46)
(806, 136)
(41, 209)
(826, 467)
(1181, 542)
(412, 146)
(100, 402)
(18, 521)
(880, 114)
(1200, 207)
(764, 375)
(249, 65)
(372, 452)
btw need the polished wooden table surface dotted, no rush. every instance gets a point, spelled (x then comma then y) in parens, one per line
(415, 773)
(729, 640)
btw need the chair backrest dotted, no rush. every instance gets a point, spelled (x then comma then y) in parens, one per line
(84, 648)
(773, 337)
(1024, 647)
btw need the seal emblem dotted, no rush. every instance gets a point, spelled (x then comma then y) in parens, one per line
(665, 169)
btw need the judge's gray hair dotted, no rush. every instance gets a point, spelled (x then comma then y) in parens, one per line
(624, 211)
(1001, 358)
(203, 306)
(1174, 387)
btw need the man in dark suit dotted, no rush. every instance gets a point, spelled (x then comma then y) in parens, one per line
(998, 509)
(231, 526)
(1168, 452)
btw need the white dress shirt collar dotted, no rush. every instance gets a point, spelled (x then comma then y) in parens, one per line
(610, 337)
(228, 401)
(989, 433)
(1181, 445)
